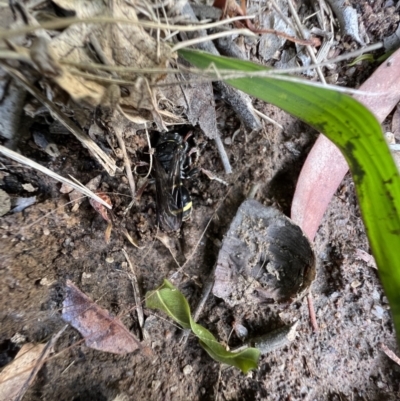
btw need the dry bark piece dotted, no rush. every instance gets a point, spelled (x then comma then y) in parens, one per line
(270, 44)
(102, 210)
(5, 202)
(14, 376)
(263, 252)
(12, 101)
(101, 331)
(239, 102)
(325, 166)
(347, 17)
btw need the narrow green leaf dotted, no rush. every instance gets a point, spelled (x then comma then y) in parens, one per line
(174, 304)
(358, 135)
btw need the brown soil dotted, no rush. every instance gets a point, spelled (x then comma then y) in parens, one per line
(47, 244)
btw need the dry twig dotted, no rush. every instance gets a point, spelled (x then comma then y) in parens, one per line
(136, 291)
(311, 311)
(389, 353)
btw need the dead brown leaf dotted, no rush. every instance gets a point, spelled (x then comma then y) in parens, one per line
(123, 45)
(15, 375)
(100, 330)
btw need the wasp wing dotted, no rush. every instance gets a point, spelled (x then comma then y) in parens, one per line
(169, 211)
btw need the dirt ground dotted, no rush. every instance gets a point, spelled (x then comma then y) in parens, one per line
(47, 244)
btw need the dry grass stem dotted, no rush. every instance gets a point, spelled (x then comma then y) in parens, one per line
(190, 42)
(268, 119)
(150, 154)
(197, 71)
(127, 163)
(30, 163)
(66, 22)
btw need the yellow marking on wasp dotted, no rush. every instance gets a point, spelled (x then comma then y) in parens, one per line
(187, 207)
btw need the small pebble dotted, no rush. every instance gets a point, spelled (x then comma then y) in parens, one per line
(155, 384)
(378, 311)
(86, 277)
(18, 338)
(187, 370)
(109, 259)
(46, 231)
(228, 141)
(45, 282)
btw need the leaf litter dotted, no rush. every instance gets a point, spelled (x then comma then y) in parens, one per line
(209, 190)
(100, 330)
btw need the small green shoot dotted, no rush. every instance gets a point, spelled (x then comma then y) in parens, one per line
(171, 301)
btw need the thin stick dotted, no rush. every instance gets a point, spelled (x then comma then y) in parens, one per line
(107, 162)
(30, 163)
(136, 291)
(271, 72)
(40, 361)
(222, 154)
(390, 353)
(310, 50)
(311, 311)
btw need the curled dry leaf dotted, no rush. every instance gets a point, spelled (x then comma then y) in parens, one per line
(100, 208)
(80, 89)
(263, 252)
(14, 376)
(103, 213)
(100, 330)
(120, 44)
(76, 197)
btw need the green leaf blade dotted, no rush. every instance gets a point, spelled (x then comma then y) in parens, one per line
(358, 135)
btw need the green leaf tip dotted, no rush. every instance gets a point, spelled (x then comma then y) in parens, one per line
(171, 301)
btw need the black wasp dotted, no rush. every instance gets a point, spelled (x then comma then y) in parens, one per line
(174, 203)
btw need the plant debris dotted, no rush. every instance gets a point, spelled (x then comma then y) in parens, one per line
(100, 330)
(14, 376)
